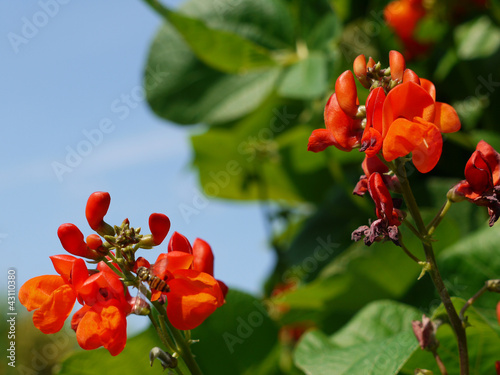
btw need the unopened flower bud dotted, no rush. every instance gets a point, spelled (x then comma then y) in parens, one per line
(159, 224)
(72, 241)
(96, 209)
(425, 331)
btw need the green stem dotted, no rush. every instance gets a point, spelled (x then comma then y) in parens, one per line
(471, 300)
(437, 219)
(455, 321)
(180, 343)
(409, 253)
(440, 363)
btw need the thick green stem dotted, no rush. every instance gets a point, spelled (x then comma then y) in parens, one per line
(455, 321)
(182, 347)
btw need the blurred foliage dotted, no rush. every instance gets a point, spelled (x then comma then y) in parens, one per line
(256, 74)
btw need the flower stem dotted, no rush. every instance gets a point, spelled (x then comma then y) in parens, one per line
(182, 347)
(455, 321)
(435, 222)
(471, 300)
(440, 363)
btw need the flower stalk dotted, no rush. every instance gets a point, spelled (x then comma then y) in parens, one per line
(433, 270)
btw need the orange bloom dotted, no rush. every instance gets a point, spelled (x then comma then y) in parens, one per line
(53, 296)
(102, 321)
(194, 293)
(413, 122)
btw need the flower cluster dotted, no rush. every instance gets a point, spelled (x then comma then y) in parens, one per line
(400, 117)
(192, 293)
(482, 181)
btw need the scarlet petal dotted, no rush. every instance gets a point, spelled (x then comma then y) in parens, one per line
(72, 240)
(422, 138)
(371, 141)
(408, 101)
(410, 76)
(52, 299)
(203, 257)
(403, 16)
(320, 139)
(36, 291)
(347, 94)
(103, 325)
(478, 173)
(172, 261)
(159, 224)
(97, 207)
(397, 64)
(178, 242)
(446, 118)
(429, 87)
(493, 159)
(345, 130)
(193, 297)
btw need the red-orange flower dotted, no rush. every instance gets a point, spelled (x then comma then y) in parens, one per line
(389, 218)
(102, 321)
(413, 122)
(194, 293)
(403, 17)
(343, 129)
(482, 180)
(53, 296)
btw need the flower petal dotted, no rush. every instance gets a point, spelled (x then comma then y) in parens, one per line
(104, 325)
(50, 317)
(320, 139)
(347, 94)
(192, 298)
(408, 101)
(446, 118)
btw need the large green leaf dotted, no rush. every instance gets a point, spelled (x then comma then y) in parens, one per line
(307, 79)
(469, 263)
(254, 159)
(483, 342)
(220, 49)
(237, 338)
(267, 23)
(182, 89)
(377, 341)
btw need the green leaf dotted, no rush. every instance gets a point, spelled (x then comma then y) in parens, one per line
(377, 341)
(253, 159)
(220, 49)
(478, 38)
(482, 340)
(469, 263)
(307, 79)
(182, 89)
(267, 23)
(237, 338)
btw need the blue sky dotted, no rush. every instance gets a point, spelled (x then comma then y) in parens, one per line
(61, 83)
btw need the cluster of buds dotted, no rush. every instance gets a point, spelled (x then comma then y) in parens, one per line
(183, 278)
(400, 117)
